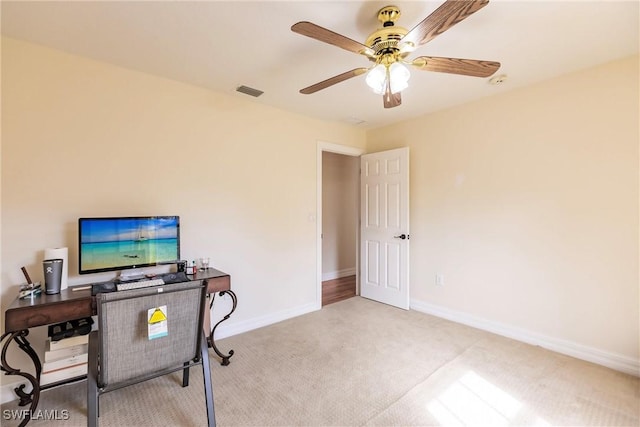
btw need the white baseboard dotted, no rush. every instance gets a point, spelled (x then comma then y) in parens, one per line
(224, 331)
(338, 274)
(618, 362)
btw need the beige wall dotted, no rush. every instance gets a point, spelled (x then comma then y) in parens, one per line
(83, 138)
(340, 202)
(527, 203)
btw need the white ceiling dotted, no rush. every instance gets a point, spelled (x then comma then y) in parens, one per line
(221, 45)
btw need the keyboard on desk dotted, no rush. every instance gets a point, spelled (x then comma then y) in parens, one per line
(165, 279)
(127, 286)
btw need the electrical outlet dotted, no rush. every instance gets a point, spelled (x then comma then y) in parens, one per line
(439, 279)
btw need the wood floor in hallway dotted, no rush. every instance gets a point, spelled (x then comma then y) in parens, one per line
(338, 289)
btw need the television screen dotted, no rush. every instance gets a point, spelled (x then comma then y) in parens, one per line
(110, 244)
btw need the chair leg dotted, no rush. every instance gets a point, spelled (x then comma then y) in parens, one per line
(92, 381)
(185, 375)
(208, 387)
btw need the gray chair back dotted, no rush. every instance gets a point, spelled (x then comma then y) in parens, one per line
(122, 353)
(127, 353)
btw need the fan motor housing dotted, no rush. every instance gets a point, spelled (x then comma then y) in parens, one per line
(385, 40)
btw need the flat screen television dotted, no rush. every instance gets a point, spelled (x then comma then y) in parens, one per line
(122, 243)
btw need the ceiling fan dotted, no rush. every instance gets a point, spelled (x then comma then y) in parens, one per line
(388, 47)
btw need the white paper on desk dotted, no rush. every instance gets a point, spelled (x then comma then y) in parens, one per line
(157, 322)
(63, 254)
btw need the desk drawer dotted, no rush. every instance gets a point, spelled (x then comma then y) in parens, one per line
(218, 284)
(46, 314)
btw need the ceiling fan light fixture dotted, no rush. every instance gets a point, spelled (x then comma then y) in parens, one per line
(399, 76)
(387, 48)
(377, 79)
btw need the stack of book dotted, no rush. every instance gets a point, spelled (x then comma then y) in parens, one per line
(65, 359)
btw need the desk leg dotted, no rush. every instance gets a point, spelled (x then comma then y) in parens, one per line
(210, 340)
(25, 398)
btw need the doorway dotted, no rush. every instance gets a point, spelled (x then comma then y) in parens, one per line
(338, 222)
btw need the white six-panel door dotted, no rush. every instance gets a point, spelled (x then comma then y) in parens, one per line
(384, 227)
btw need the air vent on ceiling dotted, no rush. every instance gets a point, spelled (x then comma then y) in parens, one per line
(354, 120)
(249, 91)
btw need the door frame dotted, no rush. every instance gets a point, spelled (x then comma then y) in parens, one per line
(347, 151)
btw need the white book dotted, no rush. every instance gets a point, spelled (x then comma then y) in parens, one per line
(63, 353)
(63, 374)
(69, 342)
(65, 363)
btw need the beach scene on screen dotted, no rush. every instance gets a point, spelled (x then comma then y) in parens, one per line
(128, 242)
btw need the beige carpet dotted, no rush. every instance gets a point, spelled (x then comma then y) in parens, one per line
(358, 362)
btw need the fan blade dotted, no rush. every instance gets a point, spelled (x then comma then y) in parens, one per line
(391, 99)
(319, 33)
(467, 67)
(446, 16)
(333, 80)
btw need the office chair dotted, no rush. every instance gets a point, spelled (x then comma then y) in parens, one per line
(130, 345)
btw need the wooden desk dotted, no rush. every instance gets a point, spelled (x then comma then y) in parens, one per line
(44, 309)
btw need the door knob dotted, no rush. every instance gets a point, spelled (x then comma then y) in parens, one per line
(402, 236)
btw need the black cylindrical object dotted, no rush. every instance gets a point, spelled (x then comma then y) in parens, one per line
(52, 275)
